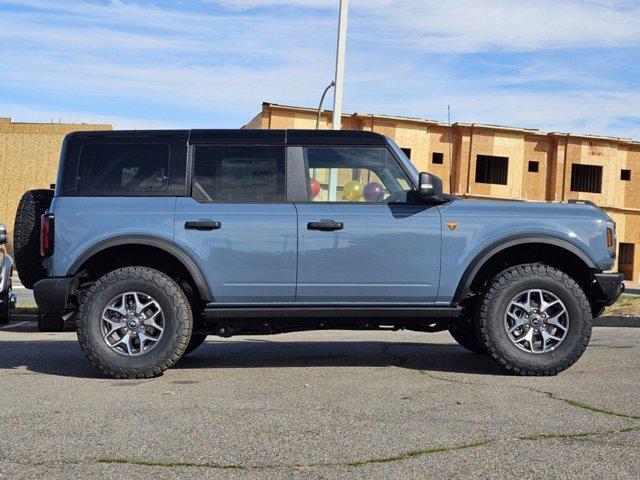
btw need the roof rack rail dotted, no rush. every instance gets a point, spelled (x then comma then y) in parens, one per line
(582, 202)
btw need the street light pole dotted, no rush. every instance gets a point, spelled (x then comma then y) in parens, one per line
(340, 54)
(337, 92)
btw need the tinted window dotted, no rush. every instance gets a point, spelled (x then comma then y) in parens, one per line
(123, 169)
(239, 174)
(355, 174)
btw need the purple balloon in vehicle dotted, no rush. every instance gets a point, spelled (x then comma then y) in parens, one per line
(373, 192)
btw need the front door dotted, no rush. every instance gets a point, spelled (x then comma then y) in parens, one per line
(360, 238)
(238, 225)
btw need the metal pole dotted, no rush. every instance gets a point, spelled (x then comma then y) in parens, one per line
(451, 163)
(337, 93)
(340, 54)
(332, 84)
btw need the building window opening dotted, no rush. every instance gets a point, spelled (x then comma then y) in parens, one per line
(586, 178)
(625, 260)
(491, 169)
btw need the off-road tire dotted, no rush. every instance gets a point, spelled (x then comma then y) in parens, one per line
(464, 332)
(177, 328)
(493, 335)
(26, 236)
(50, 322)
(196, 340)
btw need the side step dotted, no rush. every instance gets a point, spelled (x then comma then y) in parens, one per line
(283, 311)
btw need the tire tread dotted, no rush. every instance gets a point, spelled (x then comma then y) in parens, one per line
(182, 312)
(492, 295)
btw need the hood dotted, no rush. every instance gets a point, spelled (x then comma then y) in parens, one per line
(546, 210)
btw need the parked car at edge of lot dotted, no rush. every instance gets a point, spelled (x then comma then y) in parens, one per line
(7, 297)
(155, 239)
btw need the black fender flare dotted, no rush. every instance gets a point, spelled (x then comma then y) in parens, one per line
(464, 285)
(171, 248)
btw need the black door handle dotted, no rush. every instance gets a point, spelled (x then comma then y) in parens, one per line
(202, 225)
(325, 225)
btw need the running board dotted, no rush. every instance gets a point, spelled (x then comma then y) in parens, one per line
(332, 312)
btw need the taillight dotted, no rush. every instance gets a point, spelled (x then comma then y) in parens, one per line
(610, 237)
(46, 235)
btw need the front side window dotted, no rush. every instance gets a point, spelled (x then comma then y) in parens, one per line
(355, 174)
(232, 174)
(123, 169)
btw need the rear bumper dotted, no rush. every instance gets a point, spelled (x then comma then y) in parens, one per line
(609, 287)
(52, 294)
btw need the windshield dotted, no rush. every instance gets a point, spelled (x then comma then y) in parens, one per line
(407, 162)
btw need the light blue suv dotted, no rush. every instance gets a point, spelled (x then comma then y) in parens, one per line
(155, 239)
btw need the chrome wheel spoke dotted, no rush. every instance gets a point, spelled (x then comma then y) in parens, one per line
(151, 323)
(519, 323)
(124, 341)
(555, 321)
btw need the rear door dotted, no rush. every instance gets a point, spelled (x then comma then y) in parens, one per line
(361, 237)
(238, 225)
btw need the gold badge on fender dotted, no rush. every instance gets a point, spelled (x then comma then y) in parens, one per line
(452, 225)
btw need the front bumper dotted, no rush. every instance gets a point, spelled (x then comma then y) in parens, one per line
(609, 287)
(52, 294)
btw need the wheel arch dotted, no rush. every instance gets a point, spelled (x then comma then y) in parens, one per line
(547, 247)
(144, 241)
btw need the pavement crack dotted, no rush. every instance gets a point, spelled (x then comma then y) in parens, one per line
(414, 453)
(150, 463)
(551, 395)
(353, 463)
(554, 436)
(585, 406)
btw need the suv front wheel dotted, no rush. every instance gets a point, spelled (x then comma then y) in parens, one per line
(534, 320)
(134, 322)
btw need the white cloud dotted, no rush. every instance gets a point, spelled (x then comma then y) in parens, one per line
(196, 62)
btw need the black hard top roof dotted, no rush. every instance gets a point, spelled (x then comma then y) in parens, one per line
(291, 137)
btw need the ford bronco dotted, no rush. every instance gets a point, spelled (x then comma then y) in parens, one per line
(153, 240)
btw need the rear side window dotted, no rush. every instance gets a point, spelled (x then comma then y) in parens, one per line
(229, 174)
(123, 169)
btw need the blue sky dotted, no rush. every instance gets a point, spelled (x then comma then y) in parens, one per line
(561, 65)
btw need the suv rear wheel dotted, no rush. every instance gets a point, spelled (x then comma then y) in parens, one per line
(134, 322)
(534, 320)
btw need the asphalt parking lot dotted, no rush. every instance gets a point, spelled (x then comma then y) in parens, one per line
(319, 405)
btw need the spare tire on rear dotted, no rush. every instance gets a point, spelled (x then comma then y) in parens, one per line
(26, 236)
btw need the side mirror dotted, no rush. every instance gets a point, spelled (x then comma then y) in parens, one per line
(3, 234)
(430, 188)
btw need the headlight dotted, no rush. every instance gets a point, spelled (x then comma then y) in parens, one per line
(611, 239)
